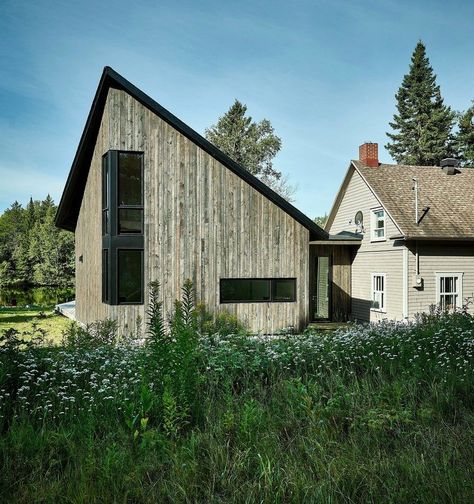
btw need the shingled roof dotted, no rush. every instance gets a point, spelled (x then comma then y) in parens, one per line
(450, 199)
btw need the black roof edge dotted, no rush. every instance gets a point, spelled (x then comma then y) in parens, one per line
(68, 210)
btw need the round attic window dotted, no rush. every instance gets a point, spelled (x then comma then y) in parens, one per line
(359, 218)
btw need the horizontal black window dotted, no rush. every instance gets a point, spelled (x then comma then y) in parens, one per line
(257, 290)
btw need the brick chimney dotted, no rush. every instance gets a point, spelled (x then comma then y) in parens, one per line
(369, 154)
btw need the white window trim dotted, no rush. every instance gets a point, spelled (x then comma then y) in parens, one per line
(459, 276)
(374, 238)
(383, 309)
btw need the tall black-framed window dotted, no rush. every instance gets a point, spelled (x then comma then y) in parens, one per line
(122, 227)
(257, 290)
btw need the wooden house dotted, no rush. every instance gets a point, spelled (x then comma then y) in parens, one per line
(416, 224)
(148, 198)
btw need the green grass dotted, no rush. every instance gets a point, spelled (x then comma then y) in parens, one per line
(371, 414)
(22, 319)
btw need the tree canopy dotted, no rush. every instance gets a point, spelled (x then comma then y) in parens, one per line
(32, 249)
(465, 137)
(423, 123)
(251, 144)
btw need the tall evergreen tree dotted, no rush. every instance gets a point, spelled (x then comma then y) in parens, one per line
(251, 144)
(423, 124)
(465, 137)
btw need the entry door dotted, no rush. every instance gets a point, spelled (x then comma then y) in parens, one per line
(322, 289)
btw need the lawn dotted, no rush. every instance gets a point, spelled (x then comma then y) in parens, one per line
(367, 414)
(23, 319)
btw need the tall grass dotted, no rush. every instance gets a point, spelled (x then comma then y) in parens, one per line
(371, 414)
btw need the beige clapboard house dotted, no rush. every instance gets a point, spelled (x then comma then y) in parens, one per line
(150, 199)
(417, 229)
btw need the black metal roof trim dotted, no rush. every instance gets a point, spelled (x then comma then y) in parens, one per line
(69, 206)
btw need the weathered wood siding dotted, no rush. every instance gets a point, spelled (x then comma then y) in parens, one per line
(439, 258)
(340, 278)
(201, 222)
(372, 256)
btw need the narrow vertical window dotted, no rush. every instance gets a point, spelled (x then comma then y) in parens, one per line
(130, 193)
(122, 228)
(130, 276)
(105, 276)
(378, 292)
(449, 290)
(105, 197)
(378, 224)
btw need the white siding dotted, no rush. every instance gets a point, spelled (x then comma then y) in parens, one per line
(435, 258)
(372, 257)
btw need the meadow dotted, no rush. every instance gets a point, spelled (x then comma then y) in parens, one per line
(202, 412)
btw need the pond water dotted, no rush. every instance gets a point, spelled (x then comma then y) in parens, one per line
(40, 296)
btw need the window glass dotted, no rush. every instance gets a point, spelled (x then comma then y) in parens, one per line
(105, 275)
(245, 290)
(284, 289)
(449, 297)
(130, 276)
(378, 292)
(253, 290)
(130, 179)
(130, 220)
(379, 224)
(105, 184)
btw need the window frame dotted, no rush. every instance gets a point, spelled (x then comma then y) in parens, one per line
(117, 276)
(383, 308)
(119, 207)
(113, 241)
(458, 293)
(272, 281)
(373, 225)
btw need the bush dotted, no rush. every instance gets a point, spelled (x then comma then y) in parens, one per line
(375, 413)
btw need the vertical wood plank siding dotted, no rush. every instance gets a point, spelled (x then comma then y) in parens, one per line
(201, 222)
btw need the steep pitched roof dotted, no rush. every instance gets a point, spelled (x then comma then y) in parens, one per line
(450, 199)
(71, 199)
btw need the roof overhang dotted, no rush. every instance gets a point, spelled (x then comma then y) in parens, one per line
(69, 206)
(433, 238)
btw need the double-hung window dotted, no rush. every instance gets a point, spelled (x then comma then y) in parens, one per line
(122, 227)
(378, 292)
(449, 290)
(378, 224)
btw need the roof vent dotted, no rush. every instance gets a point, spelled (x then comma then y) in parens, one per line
(449, 165)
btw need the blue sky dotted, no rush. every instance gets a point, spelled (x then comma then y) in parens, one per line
(324, 72)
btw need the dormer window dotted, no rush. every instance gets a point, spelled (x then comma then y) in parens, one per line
(378, 224)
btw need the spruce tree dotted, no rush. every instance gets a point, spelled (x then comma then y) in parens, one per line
(465, 137)
(251, 144)
(423, 124)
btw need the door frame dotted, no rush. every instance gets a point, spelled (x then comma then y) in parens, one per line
(316, 251)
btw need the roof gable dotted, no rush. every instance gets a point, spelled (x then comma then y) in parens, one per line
(69, 206)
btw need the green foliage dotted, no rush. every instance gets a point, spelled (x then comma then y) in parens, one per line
(98, 334)
(32, 250)
(222, 323)
(465, 138)
(321, 220)
(423, 123)
(380, 413)
(251, 144)
(173, 358)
